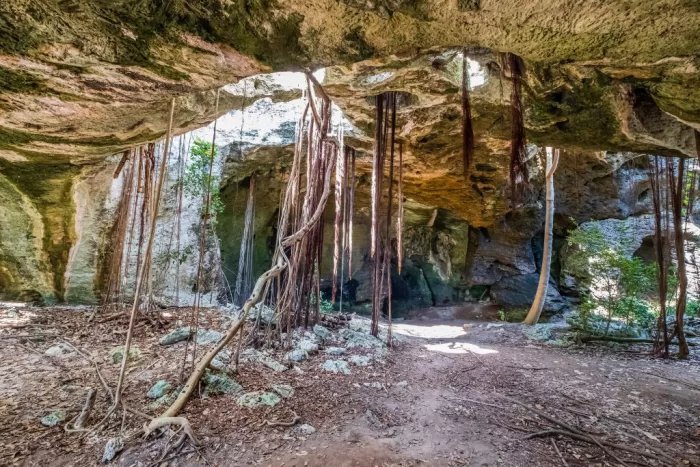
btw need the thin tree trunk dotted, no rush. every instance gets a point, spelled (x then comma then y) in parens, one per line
(540, 297)
(677, 205)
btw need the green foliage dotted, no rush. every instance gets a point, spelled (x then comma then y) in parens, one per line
(197, 180)
(692, 308)
(618, 282)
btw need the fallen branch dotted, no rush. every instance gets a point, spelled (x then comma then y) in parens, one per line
(589, 439)
(80, 420)
(556, 448)
(564, 425)
(626, 340)
(161, 422)
(204, 363)
(293, 422)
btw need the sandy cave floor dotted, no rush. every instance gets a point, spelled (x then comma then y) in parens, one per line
(435, 401)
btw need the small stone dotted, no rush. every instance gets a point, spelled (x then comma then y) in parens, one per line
(215, 384)
(296, 356)
(336, 366)
(401, 384)
(284, 390)
(321, 331)
(54, 418)
(158, 390)
(335, 350)
(258, 398)
(208, 336)
(176, 335)
(117, 353)
(375, 385)
(112, 448)
(306, 429)
(60, 350)
(360, 360)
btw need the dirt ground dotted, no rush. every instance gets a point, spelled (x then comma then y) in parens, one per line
(445, 396)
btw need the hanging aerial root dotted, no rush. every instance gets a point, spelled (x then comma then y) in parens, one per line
(339, 191)
(467, 129)
(399, 217)
(513, 64)
(351, 209)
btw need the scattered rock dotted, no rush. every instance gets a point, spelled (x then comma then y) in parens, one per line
(60, 350)
(375, 385)
(215, 384)
(117, 353)
(176, 335)
(539, 332)
(361, 360)
(360, 339)
(284, 390)
(112, 448)
(252, 355)
(306, 429)
(321, 331)
(336, 366)
(296, 355)
(160, 389)
(54, 418)
(267, 314)
(308, 346)
(401, 384)
(335, 351)
(258, 398)
(208, 336)
(221, 360)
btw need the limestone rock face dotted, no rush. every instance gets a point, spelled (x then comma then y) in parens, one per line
(518, 292)
(605, 83)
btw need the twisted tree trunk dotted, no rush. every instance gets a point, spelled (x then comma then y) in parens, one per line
(538, 303)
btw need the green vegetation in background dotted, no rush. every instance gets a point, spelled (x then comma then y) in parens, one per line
(622, 283)
(197, 180)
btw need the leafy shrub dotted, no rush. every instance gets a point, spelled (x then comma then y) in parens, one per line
(197, 180)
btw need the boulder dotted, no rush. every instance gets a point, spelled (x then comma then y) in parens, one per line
(336, 366)
(360, 360)
(258, 399)
(335, 351)
(360, 339)
(221, 360)
(215, 384)
(117, 353)
(306, 429)
(283, 390)
(158, 390)
(252, 355)
(176, 335)
(112, 448)
(208, 336)
(519, 291)
(297, 355)
(307, 346)
(60, 350)
(321, 331)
